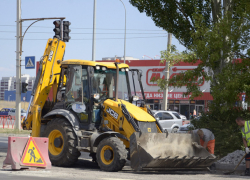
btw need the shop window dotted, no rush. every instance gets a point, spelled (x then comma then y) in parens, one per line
(150, 101)
(199, 101)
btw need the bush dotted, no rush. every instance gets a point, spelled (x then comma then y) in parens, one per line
(227, 133)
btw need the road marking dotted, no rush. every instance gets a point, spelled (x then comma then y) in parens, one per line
(115, 179)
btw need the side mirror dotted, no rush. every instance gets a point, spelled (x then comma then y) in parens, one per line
(135, 98)
(157, 118)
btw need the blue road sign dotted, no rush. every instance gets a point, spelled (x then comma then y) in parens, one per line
(243, 97)
(30, 62)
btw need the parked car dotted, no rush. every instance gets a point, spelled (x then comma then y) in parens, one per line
(182, 116)
(169, 120)
(185, 128)
(12, 113)
(4, 111)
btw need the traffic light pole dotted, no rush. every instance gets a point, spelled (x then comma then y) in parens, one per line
(18, 67)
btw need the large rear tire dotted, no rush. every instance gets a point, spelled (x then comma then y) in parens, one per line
(62, 143)
(111, 154)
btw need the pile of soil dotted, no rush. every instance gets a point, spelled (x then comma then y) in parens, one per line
(233, 158)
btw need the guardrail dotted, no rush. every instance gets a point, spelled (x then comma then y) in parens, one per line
(6, 122)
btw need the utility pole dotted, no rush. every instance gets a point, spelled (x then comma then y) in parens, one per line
(93, 45)
(165, 92)
(18, 67)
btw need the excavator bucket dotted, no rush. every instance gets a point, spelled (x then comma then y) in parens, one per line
(160, 151)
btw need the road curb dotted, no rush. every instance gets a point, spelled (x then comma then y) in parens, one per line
(229, 167)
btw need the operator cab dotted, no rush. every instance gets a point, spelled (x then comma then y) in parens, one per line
(87, 85)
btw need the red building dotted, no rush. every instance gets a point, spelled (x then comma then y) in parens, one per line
(176, 100)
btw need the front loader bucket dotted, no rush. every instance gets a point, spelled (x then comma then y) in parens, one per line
(157, 151)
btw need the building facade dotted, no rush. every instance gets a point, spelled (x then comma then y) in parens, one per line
(176, 101)
(9, 84)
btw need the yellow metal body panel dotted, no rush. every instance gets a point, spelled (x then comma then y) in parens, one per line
(113, 123)
(138, 113)
(36, 114)
(51, 69)
(110, 65)
(119, 123)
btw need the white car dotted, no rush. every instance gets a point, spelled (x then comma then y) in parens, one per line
(182, 116)
(169, 120)
(12, 113)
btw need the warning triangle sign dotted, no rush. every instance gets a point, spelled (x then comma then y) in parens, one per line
(30, 63)
(32, 155)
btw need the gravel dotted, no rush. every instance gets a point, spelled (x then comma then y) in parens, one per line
(233, 158)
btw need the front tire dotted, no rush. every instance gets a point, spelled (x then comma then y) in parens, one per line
(111, 154)
(62, 143)
(174, 130)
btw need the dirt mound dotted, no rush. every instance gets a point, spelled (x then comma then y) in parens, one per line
(233, 158)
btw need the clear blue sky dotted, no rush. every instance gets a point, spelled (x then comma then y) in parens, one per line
(143, 37)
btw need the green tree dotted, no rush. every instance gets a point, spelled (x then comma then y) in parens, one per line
(216, 33)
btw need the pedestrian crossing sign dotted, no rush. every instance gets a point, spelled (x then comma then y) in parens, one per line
(30, 62)
(32, 155)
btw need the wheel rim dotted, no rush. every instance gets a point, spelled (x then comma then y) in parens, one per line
(55, 134)
(107, 150)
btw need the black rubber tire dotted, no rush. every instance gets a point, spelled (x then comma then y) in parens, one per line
(69, 154)
(119, 154)
(174, 130)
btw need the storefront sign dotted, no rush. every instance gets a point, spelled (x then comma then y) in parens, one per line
(192, 102)
(156, 101)
(184, 102)
(159, 95)
(170, 102)
(156, 73)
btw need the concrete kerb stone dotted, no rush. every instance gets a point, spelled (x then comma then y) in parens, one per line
(229, 167)
(13, 134)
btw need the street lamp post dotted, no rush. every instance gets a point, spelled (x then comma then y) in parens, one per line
(124, 32)
(9, 97)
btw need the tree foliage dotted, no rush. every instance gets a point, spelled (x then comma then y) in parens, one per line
(217, 34)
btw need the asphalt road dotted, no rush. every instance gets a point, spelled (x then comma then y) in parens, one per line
(86, 169)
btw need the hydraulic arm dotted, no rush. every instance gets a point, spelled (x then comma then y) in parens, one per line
(47, 77)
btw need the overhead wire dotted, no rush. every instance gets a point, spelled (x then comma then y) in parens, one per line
(91, 39)
(92, 28)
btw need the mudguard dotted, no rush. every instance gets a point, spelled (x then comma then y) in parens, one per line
(68, 115)
(102, 136)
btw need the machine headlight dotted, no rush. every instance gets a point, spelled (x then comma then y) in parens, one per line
(104, 68)
(97, 67)
(96, 96)
(126, 69)
(135, 98)
(122, 69)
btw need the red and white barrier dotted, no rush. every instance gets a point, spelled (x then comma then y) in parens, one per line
(27, 152)
(6, 122)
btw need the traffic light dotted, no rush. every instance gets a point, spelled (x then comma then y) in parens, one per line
(24, 87)
(57, 29)
(66, 31)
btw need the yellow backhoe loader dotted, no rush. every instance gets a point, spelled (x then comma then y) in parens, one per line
(94, 109)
